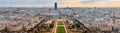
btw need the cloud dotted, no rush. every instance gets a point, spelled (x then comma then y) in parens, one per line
(46, 3)
(31, 1)
(92, 1)
(98, 1)
(26, 5)
(24, 1)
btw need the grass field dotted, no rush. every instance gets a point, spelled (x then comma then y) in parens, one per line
(60, 23)
(60, 27)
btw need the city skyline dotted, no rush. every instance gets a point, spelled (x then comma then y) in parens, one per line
(61, 3)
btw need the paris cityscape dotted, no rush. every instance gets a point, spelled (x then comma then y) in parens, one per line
(59, 20)
(74, 20)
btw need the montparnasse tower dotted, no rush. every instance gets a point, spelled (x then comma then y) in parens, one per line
(55, 6)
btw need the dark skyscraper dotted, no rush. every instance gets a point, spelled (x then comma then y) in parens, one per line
(55, 6)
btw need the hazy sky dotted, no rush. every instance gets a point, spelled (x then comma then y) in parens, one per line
(61, 3)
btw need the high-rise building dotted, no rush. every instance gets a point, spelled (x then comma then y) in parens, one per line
(55, 6)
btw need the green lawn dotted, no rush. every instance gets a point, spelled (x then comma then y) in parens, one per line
(60, 23)
(60, 27)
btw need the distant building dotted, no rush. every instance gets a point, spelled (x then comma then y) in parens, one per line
(55, 6)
